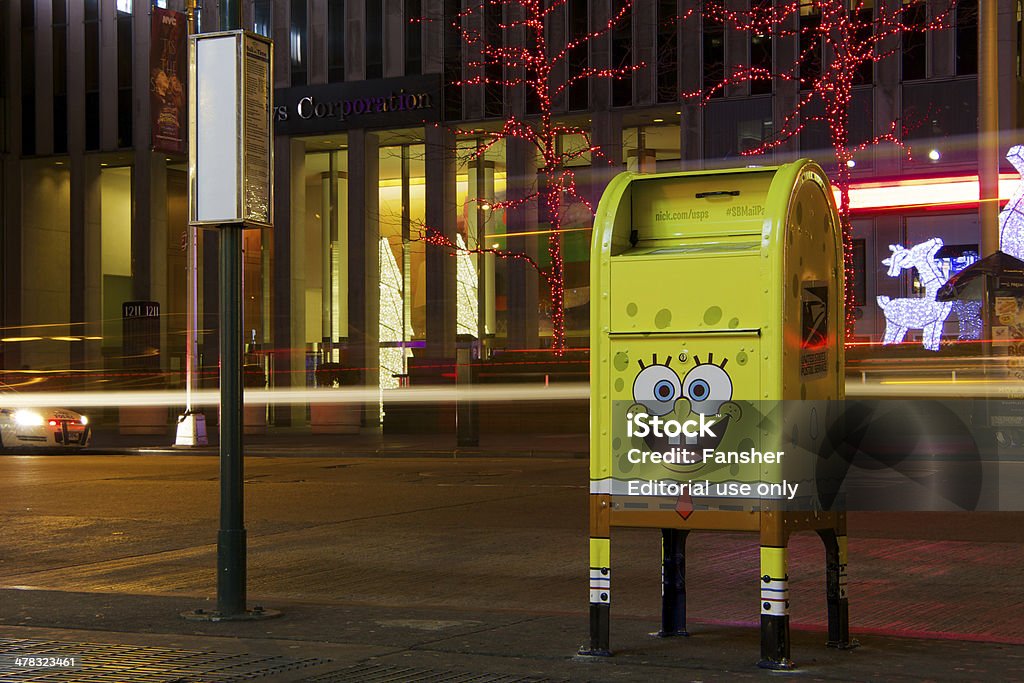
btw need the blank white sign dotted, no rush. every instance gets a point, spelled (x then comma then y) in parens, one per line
(217, 148)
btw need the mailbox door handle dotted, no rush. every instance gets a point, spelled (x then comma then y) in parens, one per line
(718, 193)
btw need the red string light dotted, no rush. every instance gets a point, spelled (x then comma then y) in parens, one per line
(435, 238)
(854, 34)
(526, 59)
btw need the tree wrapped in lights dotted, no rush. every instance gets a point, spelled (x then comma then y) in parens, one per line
(524, 58)
(847, 38)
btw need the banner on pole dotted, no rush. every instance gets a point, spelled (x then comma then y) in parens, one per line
(167, 72)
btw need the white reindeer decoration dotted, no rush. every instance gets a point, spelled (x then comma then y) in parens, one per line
(924, 313)
(1011, 218)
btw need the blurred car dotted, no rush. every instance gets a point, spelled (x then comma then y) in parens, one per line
(55, 428)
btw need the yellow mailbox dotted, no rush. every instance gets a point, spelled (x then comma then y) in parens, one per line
(716, 335)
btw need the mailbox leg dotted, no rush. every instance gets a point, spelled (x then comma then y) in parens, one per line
(673, 582)
(835, 589)
(600, 598)
(774, 609)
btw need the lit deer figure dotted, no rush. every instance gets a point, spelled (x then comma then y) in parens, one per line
(1011, 218)
(923, 313)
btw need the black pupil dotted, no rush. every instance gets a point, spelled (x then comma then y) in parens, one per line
(664, 391)
(699, 390)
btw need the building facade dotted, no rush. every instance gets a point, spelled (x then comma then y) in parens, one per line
(375, 147)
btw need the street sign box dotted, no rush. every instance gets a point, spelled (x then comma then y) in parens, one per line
(231, 159)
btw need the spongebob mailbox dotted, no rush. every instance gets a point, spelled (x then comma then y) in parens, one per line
(716, 297)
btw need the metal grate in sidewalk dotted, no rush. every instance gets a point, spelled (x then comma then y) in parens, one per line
(382, 673)
(48, 661)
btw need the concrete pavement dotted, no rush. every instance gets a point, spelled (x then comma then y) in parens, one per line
(350, 642)
(412, 568)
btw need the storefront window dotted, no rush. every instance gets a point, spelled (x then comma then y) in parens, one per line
(481, 278)
(403, 302)
(575, 224)
(326, 252)
(116, 251)
(649, 149)
(45, 264)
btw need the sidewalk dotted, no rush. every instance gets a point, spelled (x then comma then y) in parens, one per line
(427, 569)
(143, 639)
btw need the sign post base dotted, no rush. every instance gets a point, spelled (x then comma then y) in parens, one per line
(191, 431)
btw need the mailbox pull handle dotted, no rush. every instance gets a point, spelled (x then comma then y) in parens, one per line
(718, 193)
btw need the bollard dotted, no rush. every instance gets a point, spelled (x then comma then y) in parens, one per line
(467, 423)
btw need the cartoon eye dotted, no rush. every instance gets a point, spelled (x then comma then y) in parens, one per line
(657, 388)
(664, 390)
(707, 386)
(698, 390)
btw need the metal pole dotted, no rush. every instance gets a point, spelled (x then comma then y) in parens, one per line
(191, 317)
(192, 314)
(988, 126)
(673, 582)
(192, 425)
(467, 425)
(231, 536)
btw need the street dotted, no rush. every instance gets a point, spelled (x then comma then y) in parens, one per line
(474, 533)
